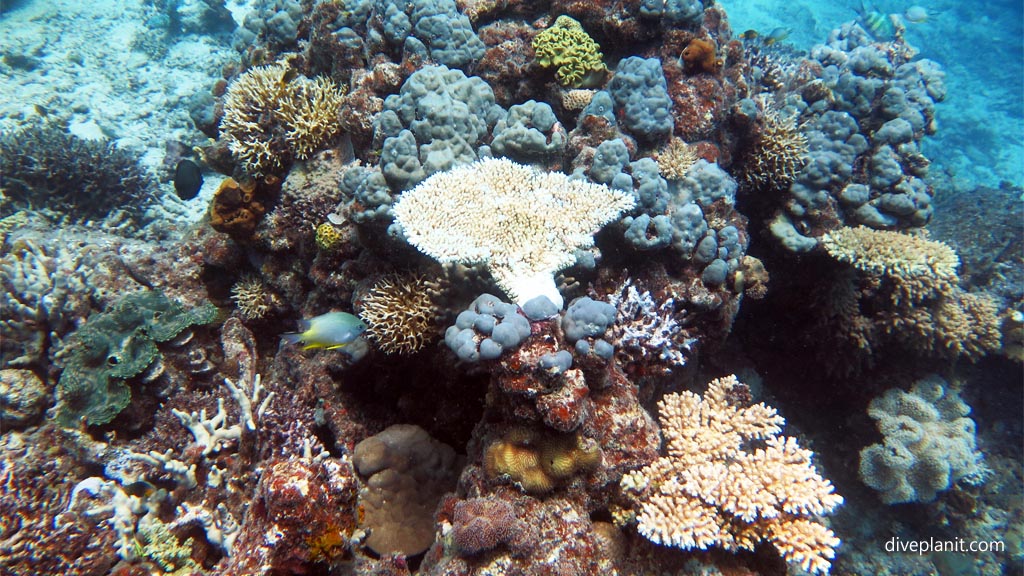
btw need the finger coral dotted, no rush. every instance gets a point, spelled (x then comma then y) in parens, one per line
(271, 118)
(713, 489)
(524, 225)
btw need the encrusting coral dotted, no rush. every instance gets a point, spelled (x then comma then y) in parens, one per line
(272, 116)
(713, 489)
(522, 224)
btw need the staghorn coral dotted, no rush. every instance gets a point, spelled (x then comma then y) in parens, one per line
(272, 116)
(567, 46)
(400, 313)
(522, 224)
(777, 153)
(712, 488)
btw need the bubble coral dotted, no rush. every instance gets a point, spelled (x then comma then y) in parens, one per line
(699, 56)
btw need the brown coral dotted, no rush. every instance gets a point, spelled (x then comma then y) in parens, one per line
(400, 314)
(235, 209)
(778, 152)
(713, 489)
(700, 56)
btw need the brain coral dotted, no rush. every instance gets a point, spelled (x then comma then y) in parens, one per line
(928, 446)
(522, 224)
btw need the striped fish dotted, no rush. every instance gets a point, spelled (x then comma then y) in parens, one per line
(881, 27)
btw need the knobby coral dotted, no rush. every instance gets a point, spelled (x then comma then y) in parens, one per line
(712, 489)
(271, 117)
(522, 224)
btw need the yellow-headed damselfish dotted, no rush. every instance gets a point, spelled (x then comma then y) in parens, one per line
(331, 331)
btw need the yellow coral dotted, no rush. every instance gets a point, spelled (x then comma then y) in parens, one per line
(568, 47)
(271, 117)
(536, 462)
(328, 237)
(711, 489)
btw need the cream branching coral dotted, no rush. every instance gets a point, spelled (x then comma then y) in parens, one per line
(522, 224)
(712, 489)
(676, 159)
(271, 117)
(400, 313)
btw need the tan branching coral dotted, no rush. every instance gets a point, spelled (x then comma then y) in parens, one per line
(713, 489)
(778, 152)
(251, 297)
(523, 224)
(400, 314)
(920, 268)
(272, 115)
(676, 159)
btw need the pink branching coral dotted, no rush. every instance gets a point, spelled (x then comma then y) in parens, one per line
(713, 489)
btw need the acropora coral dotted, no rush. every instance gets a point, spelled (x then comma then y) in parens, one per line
(713, 489)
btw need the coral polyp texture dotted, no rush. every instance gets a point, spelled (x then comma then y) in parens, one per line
(712, 489)
(273, 116)
(400, 314)
(929, 443)
(522, 224)
(777, 154)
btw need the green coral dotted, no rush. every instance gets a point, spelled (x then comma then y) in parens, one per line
(116, 345)
(568, 47)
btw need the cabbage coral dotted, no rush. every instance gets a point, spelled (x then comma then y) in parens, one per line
(523, 225)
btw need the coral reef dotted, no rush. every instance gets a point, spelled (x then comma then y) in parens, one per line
(567, 47)
(400, 314)
(272, 115)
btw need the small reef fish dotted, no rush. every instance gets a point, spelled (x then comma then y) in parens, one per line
(881, 27)
(188, 179)
(917, 14)
(777, 35)
(749, 34)
(331, 331)
(139, 488)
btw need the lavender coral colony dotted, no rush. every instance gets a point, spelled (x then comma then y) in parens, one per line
(526, 246)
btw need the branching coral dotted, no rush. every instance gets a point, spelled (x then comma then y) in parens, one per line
(251, 298)
(271, 117)
(777, 153)
(676, 159)
(712, 488)
(400, 314)
(567, 46)
(522, 224)
(928, 263)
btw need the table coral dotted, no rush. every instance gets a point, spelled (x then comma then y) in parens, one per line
(522, 224)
